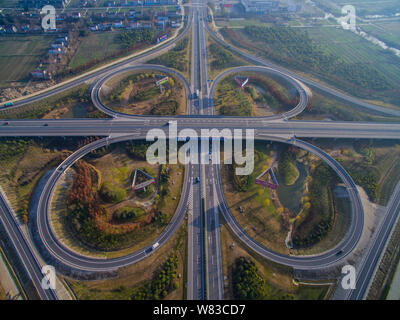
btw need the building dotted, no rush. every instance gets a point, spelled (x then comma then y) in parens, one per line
(40, 74)
(41, 3)
(57, 45)
(260, 5)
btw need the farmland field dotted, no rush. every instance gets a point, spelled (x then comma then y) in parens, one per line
(96, 46)
(363, 7)
(7, 3)
(387, 31)
(336, 56)
(354, 49)
(19, 55)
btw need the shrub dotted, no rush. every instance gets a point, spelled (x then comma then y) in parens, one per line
(128, 213)
(110, 193)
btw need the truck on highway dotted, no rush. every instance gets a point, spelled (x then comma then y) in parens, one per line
(196, 94)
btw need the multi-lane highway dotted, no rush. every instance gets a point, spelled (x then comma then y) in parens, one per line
(196, 281)
(121, 126)
(214, 276)
(372, 258)
(23, 249)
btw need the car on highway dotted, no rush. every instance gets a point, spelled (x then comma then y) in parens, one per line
(197, 179)
(154, 246)
(8, 104)
(339, 252)
(6, 123)
(45, 125)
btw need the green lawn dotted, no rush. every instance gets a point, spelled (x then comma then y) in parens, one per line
(96, 46)
(19, 55)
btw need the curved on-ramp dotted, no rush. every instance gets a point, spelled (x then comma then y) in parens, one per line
(78, 262)
(300, 88)
(298, 85)
(96, 89)
(317, 261)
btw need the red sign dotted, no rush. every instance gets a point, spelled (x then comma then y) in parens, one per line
(228, 5)
(267, 184)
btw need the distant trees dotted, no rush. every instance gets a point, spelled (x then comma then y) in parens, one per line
(132, 37)
(318, 208)
(162, 284)
(88, 217)
(128, 213)
(230, 102)
(295, 47)
(248, 284)
(287, 168)
(175, 58)
(222, 58)
(137, 150)
(273, 96)
(240, 182)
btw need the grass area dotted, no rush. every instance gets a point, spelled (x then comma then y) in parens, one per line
(262, 96)
(22, 163)
(137, 93)
(368, 163)
(220, 59)
(278, 279)
(19, 55)
(228, 100)
(139, 276)
(177, 58)
(338, 229)
(116, 169)
(324, 106)
(260, 216)
(97, 45)
(7, 3)
(2, 293)
(239, 23)
(288, 169)
(317, 221)
(72, 103)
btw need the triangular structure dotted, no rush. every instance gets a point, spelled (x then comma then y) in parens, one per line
(241, 81)
(150, 180)
(273, 185)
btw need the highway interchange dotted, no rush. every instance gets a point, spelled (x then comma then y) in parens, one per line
(204, 200)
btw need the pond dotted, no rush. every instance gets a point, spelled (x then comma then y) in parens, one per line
(290, 196)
